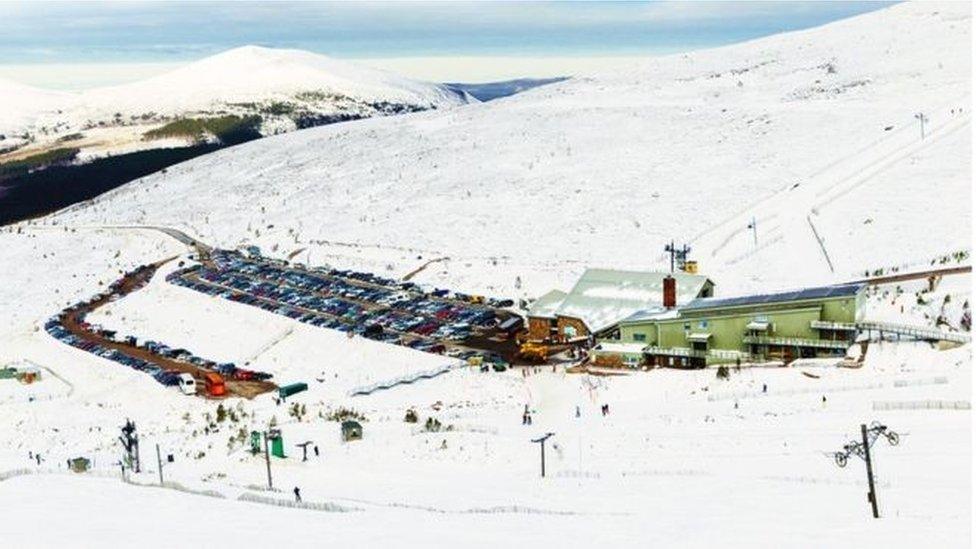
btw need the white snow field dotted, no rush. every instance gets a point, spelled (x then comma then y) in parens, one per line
(602, 171)
(594, 172)
(22, 104)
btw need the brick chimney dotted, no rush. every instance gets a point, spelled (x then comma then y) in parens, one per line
(670, 292)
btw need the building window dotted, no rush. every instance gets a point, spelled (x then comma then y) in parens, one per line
(640, 337)
(687, 326)
(703, 324)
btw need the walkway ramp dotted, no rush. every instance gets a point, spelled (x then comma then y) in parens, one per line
(917, 332)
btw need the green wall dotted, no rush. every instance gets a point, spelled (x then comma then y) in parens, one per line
(728, 325)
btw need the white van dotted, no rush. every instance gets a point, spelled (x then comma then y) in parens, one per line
(188, 385)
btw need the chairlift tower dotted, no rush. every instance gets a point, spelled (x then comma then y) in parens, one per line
(862, 450)
(541, 441)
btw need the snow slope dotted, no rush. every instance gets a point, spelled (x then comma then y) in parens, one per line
(602, 171)
(679, 451)
(20, 105)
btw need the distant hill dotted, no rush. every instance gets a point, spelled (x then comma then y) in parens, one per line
(495, 90)
(229, 98)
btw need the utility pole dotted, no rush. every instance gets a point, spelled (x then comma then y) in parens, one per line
(267, 460)
(159, 464)
(679, 254)
(872, 495)
(922, 119)
(542, 446)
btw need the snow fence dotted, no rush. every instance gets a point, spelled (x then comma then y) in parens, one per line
(310, 505)
(753, 393)
(888, 405)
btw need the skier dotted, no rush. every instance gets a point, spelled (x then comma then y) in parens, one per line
(764, 388)
(298, 495)
(577, 411)
(38, 456)
(823, 401)
(316, 448)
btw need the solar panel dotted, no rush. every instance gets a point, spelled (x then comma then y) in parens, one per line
(791, 295)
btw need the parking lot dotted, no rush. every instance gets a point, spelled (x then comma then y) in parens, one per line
(153, 358)
(361, 304)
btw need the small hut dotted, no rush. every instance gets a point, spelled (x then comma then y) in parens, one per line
(351, 430)
(79, 464)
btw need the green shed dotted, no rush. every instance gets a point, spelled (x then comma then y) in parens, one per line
(286, 391)
(277, 443)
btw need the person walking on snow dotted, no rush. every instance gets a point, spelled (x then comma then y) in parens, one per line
(298, 495)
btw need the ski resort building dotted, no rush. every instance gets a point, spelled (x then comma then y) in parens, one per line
(601, 298)
(807, 323)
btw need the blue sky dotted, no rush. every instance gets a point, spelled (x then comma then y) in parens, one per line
(140, 32)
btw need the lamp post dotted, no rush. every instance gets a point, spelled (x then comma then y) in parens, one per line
(922, 119)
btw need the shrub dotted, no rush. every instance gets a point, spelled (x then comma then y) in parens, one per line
(342, 414)
(410, 417)
(225, 128)
(25, 165)
(723, 372)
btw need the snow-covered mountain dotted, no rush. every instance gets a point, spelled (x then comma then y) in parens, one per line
(20, 105)
(813, 134)
(285, 88)
(264, 75)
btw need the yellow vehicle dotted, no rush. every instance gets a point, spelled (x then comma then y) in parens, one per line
(477, 299)
(534, 352)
